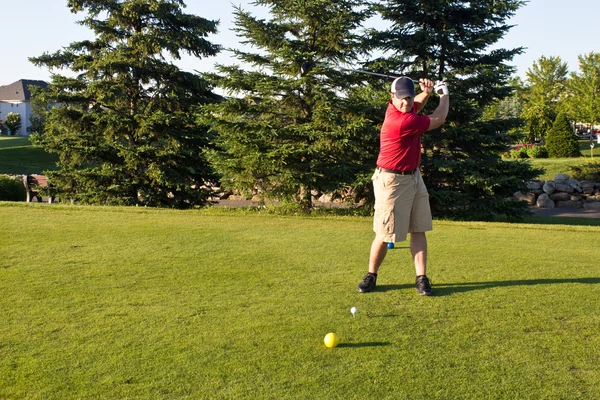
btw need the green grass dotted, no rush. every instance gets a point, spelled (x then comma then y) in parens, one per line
(553, 166)
(19, 156)
(113, 303)
(586, 150)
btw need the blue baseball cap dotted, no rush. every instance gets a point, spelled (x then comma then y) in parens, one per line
(403, 87)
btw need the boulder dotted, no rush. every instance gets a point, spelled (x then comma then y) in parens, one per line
(575, 197)
(560, 196)
(587, 185)
(549, 187)
(561, 178)
(535, 185)
(574, 184)
(561, 187)
(528, 197)
(544, 201)
(569, 204)
(591, 199)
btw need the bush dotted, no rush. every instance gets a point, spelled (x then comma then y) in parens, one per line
(589, 171)
(560, 140)
(11, 189)
(519, 152)
(537, 151)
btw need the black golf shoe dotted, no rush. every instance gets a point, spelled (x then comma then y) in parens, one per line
(368, 283)
(423, 285)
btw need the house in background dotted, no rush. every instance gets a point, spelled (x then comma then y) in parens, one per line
(16, 98)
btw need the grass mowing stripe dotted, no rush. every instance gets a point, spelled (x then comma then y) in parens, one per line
(139, 303)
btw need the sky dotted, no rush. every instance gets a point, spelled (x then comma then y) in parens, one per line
(32, 27)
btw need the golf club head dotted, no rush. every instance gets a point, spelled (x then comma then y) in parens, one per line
(305, 67)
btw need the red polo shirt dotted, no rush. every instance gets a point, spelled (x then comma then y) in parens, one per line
(400, 139)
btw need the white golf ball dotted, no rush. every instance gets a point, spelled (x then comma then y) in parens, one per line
(353, 310)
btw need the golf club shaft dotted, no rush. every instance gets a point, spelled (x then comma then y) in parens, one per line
(373, 73)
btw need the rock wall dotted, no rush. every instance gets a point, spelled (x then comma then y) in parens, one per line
(562, 192)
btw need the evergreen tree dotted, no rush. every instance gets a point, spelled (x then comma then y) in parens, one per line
(546, 89)
(450, 40)
(561, 141)
(125, 130)
(288, 136)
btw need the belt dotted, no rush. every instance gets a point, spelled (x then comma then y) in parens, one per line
(392, 171)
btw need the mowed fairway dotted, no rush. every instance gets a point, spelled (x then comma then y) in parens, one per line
(114, 303)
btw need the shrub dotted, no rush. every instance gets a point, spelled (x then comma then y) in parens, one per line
(13, 123)
(11, 189)
(537, 151)
(519, 152)
(560, 140)
(588, 171)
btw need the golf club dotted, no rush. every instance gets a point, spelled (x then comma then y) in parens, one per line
(308, 65)
(440, 86)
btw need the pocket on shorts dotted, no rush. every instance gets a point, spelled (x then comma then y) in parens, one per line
(383, 222)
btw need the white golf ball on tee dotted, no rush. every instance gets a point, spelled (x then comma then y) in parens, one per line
(353, 310)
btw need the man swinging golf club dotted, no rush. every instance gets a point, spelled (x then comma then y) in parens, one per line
(401, 198)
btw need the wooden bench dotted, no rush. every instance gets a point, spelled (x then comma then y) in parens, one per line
(33, 183)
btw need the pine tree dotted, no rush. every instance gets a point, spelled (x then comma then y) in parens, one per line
(287, 136)
(125, 130)
(560, 140)
(451, 40)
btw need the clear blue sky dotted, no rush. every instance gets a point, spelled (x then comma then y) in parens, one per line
(31, 27)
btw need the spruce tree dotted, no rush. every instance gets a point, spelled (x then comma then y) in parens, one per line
(461, 164)
(124, 127)
(286, 136)
(560, 140)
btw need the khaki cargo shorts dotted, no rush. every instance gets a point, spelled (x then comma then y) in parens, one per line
(401, 205)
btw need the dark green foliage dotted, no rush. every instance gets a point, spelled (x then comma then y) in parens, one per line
(465, 175)
(560, 140)
(294, 137)
(125, 130)
(537, 151)
(588, 171)
(11, 189)
(39, 110)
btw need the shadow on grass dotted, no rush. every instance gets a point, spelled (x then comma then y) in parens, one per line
(365, 344)
(389, 288)
(448, 289)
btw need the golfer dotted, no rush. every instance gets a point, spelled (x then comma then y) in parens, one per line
(401, 198)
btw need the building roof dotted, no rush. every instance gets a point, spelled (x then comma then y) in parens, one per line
(19, 91)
